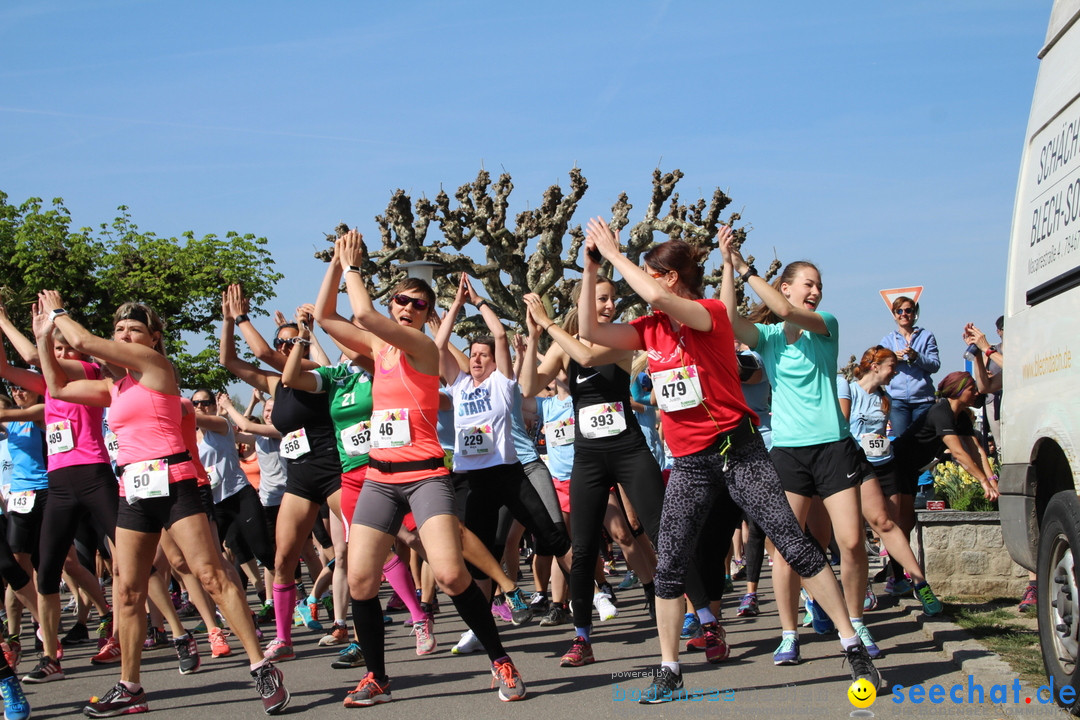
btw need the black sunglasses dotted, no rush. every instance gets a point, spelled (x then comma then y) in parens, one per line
(206, 403)
(905, 311)
(403, 300)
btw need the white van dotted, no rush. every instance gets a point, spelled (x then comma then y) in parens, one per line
(1040, 418)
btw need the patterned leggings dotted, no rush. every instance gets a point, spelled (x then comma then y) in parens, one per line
(704, 487)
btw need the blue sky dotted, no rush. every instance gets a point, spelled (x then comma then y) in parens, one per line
(880, 140)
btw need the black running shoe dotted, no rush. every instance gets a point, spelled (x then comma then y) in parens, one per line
(77, 635)
(862, 667)
(271, 686)
(664, 688)
(187, 652)
(118, 701)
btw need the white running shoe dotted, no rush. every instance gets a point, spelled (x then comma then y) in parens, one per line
(468, 643)
(602, 602)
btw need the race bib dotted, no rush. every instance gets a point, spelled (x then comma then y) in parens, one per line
(602, 420)
(874, 445)
(59, 438)
(112, 445)
(677, 389)
(295, 445)
(476, 440)
(356, 439)
(22, 502)
(146, 480)
(391, 429)
(559, 432)
(215, 478)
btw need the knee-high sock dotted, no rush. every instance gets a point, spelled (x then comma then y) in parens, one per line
(473, 608)
(398, 575)
(371, 634)
(284, 604)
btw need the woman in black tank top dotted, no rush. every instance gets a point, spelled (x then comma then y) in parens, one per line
(609, 449)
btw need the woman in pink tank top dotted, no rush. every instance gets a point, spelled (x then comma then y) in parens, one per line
(159, 486)
(405, 470)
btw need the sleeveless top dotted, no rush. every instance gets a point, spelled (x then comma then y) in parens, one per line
(147, 426)
(75, 428)
(26, 445)
(398, 388)
(295, 410)
(603, 388)
(218, 455)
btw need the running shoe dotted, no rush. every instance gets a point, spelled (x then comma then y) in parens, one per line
(303, 612)
(748, 606)
(279, 651)
(219, 646)
(500, 610)
(691, 627)
(12, 650)
(868, 641)
(862, 667)
(822, 623)
(425, 638)
(610, 592)
(897, 587)
(338, 635)
(870, 601)
(716, 647)
(155, 639)
(539, 603)
(788, 651)
(468, 643)
(369, 692)
(1030, 600)
(629, 580)
(740, 570)
(931, 605)
(47, 670)
(395, 603)
(508, 679)
(16, 706)
(604, 606)
(556, 615)
(664, 685)
(579, 654)
(520, 611)
(109, 654)
(650, 605)
(118, 701)
(271, 686)
(350, 657)
(104, 630)
(77, 635)
(265, 614)
(187, 653)
(729, 584)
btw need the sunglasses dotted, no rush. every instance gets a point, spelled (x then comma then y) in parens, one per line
(905, 311)
(403, 300)
(203, 403)
(654, 275)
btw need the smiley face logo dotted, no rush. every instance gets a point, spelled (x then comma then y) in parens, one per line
(861, 693)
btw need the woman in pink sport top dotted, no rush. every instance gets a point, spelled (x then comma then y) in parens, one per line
(159, 474)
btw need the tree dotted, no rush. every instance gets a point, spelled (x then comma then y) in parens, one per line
(96, 271)
(508, 269)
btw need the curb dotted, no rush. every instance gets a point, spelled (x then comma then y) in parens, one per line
(967, 653)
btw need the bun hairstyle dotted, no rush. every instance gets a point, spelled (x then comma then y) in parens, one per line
(761, 313)
(570, 320)
(905, 299)
(685, 259)
(875, 356)
(145, 314)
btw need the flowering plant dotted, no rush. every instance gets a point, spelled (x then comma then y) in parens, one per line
(959, 488)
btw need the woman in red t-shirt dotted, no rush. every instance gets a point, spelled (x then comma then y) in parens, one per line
(712, 434)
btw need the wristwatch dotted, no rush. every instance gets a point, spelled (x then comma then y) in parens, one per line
(242, 318)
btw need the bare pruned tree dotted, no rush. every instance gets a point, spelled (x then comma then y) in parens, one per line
(478, 217)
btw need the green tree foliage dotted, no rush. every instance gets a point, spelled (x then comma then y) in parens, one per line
(97, 270)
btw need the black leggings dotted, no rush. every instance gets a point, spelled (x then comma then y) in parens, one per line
(492, 488)
(241, 515)
(698, 481)
(592, 478)
(77, 494)
(10, 569)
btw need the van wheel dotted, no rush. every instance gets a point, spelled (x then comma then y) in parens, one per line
(1058, 592)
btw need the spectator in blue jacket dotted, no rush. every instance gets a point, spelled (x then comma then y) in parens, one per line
(912, 389)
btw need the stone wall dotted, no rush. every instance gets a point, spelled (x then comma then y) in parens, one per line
(962, 553)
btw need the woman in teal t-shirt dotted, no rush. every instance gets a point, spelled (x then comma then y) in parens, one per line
(813, 451)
